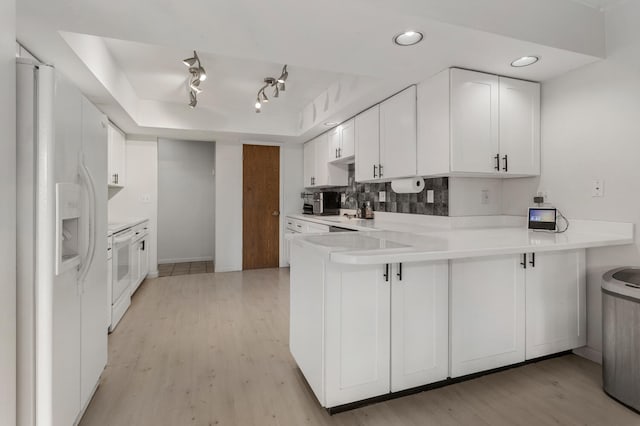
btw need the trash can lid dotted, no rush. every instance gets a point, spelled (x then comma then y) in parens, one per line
(631, 276)
(623, 281)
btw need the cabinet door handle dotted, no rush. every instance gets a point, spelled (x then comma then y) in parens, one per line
(379, 170)
(506, 164)
(339, 152)
(375, 168)
(336, 152)
(143, 241)
(532, 262)
(497, 158)
(386, 272)
(399, 274)
(524, 261)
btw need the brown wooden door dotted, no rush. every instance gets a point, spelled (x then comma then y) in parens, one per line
(260, 207)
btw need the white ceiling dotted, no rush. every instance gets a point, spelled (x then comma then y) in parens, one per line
(140, 81)
(601, 4)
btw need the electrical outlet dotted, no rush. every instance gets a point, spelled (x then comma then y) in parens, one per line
(544, 195)
(484, 197)
(382, 196)
(597, 189)
(146, 198)
(430, 196)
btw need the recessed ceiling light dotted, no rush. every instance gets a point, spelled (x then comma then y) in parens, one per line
(408, 38)
(330, 123)
(525, 61)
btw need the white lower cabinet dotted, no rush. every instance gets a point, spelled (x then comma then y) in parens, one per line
(360, 331)
(506, 309)
(487, 313)
(387, 329)
(358, 303)
(556, 302)
(419, 324)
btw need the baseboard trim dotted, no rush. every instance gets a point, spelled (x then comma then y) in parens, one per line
(436, 385)
(154, 274)
(188, 259)
(230, 269)
(589, 353)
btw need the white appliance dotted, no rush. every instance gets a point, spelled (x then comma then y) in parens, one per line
(62, 221)
(109, 277)
(121, 281)
(139, 255)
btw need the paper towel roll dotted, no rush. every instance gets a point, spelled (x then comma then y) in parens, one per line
(408, 186)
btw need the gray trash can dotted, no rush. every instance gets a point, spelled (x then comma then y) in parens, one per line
(621, 335)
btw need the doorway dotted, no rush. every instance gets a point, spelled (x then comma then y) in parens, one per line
(260, 206)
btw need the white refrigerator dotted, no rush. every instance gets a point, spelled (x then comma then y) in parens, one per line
(62, 262)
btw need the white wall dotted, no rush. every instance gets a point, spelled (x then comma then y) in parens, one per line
(291, 176)
(229, 199)
(228, 216)
(465, 197)
(139, 198)
(591, 130)
(185, 201)
(7, 212)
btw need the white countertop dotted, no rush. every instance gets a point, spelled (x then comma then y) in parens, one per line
(377, 244)
(115, 227)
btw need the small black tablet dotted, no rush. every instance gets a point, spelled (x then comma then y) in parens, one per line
(542, 218)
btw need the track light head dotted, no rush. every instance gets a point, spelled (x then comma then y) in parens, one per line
(276, 92)
(284, 75)
(198, 74)
(281, 87)
(202, 75)
(263, 96)
(258, 105)
(190, 62)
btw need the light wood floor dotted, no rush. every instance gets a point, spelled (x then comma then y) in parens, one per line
(213, 351)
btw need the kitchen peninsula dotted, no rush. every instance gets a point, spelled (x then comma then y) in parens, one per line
(381, 311)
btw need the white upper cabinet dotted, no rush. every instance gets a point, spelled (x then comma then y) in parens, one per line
(476, 124)
(519, 126)
(385, 138)
(367, 129)
(398, 135)
(117, 156)
(318, 172)
(321, 176)
(474, 121)
(342, 142)
(309, 154)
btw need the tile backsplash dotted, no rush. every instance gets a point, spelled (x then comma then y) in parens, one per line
(358, 193)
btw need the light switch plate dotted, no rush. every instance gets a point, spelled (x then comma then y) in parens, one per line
(382, 196)
(484, 196)
(146, 198)
(597, 189)
(343, 198)
(430, 196)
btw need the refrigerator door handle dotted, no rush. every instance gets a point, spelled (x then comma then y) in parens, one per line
(91, 250)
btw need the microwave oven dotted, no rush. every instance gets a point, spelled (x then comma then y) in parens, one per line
(326, 203)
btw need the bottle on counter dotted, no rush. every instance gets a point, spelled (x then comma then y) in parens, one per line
(362, 211)
(368, 212)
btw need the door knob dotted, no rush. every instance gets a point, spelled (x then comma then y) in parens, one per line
(275, 213)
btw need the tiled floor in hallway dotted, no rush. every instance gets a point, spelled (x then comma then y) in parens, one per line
(184, 268)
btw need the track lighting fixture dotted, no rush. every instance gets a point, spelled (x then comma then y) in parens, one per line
(278, 86)
(197, 75)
